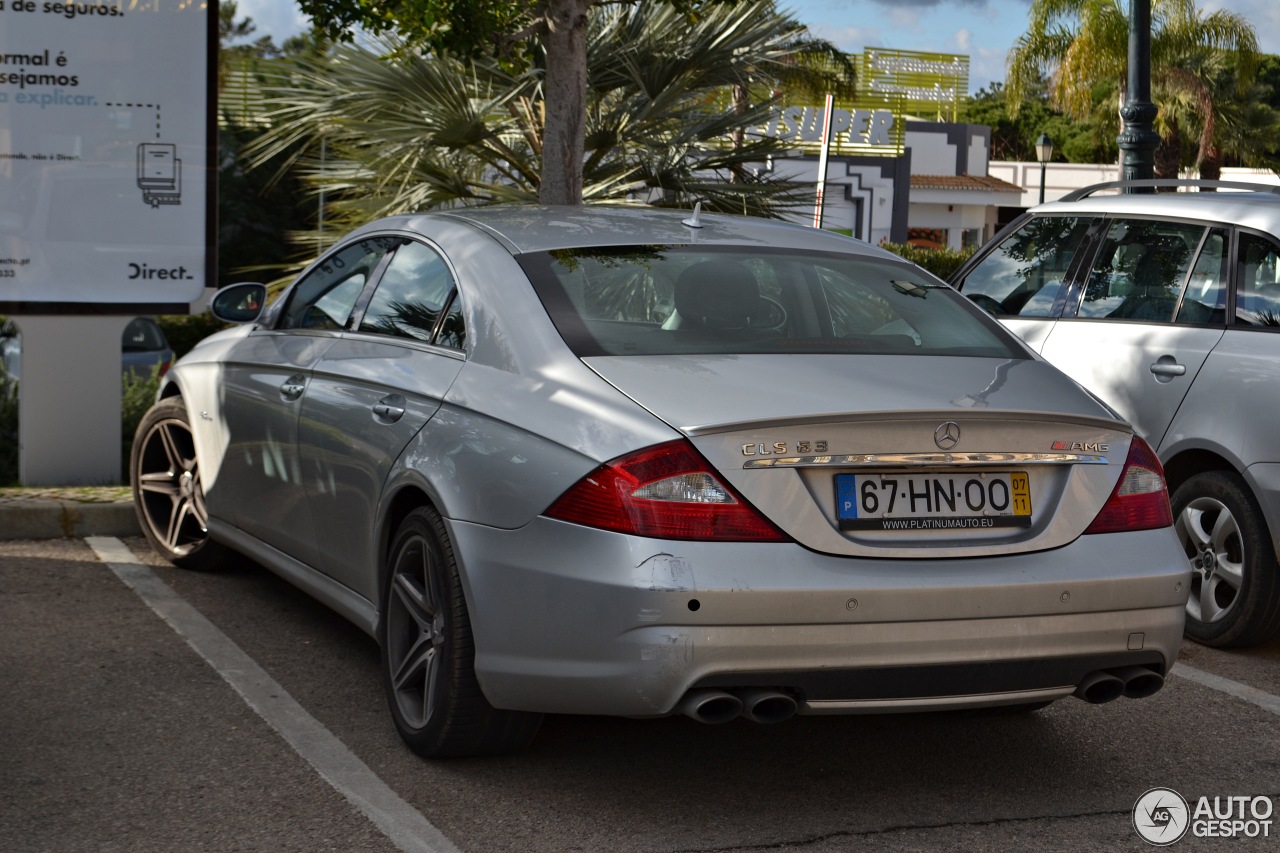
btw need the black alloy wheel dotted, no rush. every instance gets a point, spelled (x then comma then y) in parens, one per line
(428, 656)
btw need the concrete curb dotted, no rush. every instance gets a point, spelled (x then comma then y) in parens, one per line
(57, 519)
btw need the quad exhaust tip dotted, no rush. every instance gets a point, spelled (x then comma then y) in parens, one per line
(759, 705)
(765, 705)
(1133, 682)
(710, 706)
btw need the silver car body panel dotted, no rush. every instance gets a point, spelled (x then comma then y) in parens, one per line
(784, 607)
(1232, 410)
(1216, 389)
(697, 393)
(999, 407)
(366, 400)
(575, 619)
(1142, 370)
(1250, 210)
(1033, 331)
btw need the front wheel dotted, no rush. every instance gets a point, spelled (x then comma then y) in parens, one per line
(168, 495)
(428, 656)
(1235, 582)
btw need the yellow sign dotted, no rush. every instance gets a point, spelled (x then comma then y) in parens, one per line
(892, 85)
(931, 85)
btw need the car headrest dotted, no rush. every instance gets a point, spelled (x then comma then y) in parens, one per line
(718, 294)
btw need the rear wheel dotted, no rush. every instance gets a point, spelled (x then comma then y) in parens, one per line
(168, 495)
(428, 656)
(1235, 582)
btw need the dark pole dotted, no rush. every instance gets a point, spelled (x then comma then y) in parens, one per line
(1044, 153)
(1138, 138)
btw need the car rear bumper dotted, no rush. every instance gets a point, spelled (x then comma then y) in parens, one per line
(569, 619)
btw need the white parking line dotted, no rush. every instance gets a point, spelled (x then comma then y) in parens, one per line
(337, 765)
(1252, 695)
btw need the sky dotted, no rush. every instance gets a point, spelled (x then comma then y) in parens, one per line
(984, 30)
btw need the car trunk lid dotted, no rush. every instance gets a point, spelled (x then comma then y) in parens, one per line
(892, 455)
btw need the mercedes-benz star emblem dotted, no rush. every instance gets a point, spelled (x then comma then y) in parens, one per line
(947, 435)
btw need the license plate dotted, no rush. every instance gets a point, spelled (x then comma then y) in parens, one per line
(902, 501)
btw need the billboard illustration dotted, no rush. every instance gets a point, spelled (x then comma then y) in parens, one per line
(107, 151)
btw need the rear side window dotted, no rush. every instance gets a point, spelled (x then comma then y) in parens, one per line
(1024, 275)
(1140, 270)
(411, 295)
(1258, 288)
(674, 300)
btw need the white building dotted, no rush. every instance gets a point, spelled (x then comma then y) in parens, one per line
(938, 190)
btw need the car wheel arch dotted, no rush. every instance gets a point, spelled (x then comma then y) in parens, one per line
(400, 503)
(1183, 465)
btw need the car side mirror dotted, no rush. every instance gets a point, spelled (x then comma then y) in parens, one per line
(239, 303)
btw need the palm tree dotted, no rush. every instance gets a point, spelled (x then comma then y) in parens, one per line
(1081, 43)
(406, 131)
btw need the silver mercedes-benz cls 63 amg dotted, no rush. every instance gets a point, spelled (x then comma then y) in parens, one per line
(638, 462)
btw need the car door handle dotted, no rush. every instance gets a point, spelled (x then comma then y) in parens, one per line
(1168, 368)
(292, 388)
(390, 408)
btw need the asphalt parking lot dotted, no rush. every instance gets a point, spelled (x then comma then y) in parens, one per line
(148, 708)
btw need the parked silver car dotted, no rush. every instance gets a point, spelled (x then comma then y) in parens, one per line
(636, 462)
(1167, 306)
(143, 349)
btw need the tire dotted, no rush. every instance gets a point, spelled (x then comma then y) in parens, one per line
(168, 495)
(1235, 583)
(428, 656)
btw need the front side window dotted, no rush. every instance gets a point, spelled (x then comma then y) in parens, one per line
(1140, 270)
(674, 300)
(1258, 282)
(411, 295)
(1024, 276)
(324, 297)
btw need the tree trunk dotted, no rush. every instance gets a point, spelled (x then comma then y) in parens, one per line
(1209, 157)
(565, 90)
(1169, 151)
(741, 103)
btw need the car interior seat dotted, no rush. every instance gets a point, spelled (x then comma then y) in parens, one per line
(1124, 268)
(720, 295)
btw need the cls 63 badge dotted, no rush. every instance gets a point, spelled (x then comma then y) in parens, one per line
(782, 448)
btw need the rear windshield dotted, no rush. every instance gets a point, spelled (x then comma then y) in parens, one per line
(677, 300)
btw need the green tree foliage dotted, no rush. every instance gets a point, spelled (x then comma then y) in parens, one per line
(1082, 44)
(137, 394)
(257, 214)
(941, 262)
(547, 37)
(1014, 132)
(405, 130)
(8, 428)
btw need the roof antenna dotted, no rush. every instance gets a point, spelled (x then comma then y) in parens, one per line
(694, 221)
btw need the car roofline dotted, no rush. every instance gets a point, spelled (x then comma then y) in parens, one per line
(1178, 183)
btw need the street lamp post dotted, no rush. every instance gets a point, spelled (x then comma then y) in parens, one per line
(1044, 153)
(1138, 138)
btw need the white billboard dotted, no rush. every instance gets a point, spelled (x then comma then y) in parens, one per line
(107, 150)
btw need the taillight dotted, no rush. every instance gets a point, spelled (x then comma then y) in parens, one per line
(668, 492)
(1140, 501)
